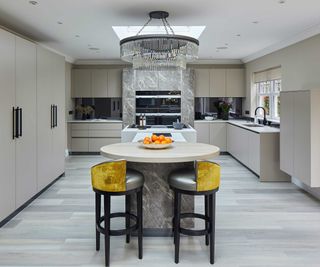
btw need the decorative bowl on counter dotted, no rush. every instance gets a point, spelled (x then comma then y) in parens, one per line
(208, 118)
(156, 142)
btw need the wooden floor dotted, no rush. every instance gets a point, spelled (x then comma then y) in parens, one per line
(258, 224)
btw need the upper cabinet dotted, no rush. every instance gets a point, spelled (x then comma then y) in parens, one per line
(235, 85)
(220, 83)
(96, 83)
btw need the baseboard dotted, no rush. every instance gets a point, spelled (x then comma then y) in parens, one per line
(315, 192)
(83, 153)
(23, 206)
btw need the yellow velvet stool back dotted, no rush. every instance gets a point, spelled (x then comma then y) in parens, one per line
(109, 176)
(207, 175)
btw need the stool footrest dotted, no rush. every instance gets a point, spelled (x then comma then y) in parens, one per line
(120, 231)
(194, 232)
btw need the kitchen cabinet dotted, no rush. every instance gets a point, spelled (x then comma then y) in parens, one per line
(50, 91)
(214, 133)
(7, 144)
(202, 82)
(301, 152)
(238, 143)
(90, 137)
(220, 83)
(99, 83)
(25, 91)
(254, 152)
(96, 83)
(218, 135)
(235, 83)
(114, 83)
(217, 83)
(81, 83)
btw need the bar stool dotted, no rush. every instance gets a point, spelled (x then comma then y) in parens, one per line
(203, 180)
(112, 178)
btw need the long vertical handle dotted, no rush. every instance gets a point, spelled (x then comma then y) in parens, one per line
(20, 122)
(13, 122)
(56, 116)
(17, 122)
(51, 117)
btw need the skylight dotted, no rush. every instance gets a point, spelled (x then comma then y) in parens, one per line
(127, 31)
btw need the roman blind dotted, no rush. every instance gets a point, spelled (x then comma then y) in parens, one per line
(267, 75)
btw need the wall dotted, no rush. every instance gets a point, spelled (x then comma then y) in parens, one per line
(300, 66)
(69, 104)
(137, 80)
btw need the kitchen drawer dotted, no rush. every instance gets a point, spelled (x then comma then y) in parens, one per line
(79, 144)
(96, 143)
(105, 126)
(79, 126)
(105, 133)
(79, 133)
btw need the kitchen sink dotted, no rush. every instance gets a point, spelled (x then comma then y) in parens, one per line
(252, 125)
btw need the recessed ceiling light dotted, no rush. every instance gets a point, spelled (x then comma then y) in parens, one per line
(281, 2)
(238, 35)
(33, 3)
(255, 22)
(77, 35)
(94, 48)
(226, 44)
(60, 22)
(222, 47)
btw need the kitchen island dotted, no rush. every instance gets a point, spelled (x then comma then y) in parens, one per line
(156, 166)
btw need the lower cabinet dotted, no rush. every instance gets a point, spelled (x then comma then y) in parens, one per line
(90, 137)
(214, 133)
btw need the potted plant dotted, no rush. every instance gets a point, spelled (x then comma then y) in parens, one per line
(85, 111)
(225, 108)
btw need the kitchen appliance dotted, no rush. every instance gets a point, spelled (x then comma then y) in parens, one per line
(159, 107)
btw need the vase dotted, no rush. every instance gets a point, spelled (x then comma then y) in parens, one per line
(225, 116)
(83, 117)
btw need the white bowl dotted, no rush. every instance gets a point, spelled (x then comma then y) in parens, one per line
(208, 118)
(154, 146)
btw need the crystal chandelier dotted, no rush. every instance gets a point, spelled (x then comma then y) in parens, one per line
(156, 51)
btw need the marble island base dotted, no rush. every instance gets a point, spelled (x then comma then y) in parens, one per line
(158, 198)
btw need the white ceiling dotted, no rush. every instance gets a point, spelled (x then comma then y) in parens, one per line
(92, 20)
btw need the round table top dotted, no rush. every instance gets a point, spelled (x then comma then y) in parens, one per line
(178, 152)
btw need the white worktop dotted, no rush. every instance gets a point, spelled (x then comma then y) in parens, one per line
(95, 121)
(240, 123)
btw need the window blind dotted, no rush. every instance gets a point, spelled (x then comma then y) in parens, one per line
(267, 75)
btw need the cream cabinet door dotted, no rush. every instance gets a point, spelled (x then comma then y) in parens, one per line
(202, 83)
(235, 83)
(7, 144)
(203, 132)
(115, 83)
(286, 132)
(254, 151)
(217, 83)
(218, 135)
(26, 157)
(81, 83)
(99, 83)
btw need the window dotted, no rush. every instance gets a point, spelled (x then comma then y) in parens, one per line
(268, 87)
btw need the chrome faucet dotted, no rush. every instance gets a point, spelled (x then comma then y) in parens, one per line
(264, 115)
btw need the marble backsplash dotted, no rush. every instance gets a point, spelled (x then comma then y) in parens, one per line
(140, 80)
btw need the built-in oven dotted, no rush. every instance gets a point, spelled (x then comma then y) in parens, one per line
(159, 107)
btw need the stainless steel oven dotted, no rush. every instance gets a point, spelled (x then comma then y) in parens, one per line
(159, 107)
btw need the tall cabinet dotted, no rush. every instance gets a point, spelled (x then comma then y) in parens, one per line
(50, 116)
(30, 77)
(299, 135)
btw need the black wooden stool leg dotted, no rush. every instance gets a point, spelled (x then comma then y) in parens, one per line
(175, 202)
(98, 215)
(140, 221)
(128, 206)
(177, 227)
(206, 208)
(107, 227)
(212, 211)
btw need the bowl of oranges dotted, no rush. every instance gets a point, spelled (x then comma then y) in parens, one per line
(156, 142)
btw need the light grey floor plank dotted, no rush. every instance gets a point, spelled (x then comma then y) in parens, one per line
(258, 225)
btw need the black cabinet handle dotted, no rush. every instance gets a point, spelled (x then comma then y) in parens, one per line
(13, 122)
(56, 115)
(51, 117)
(17, 122)
(20, 122)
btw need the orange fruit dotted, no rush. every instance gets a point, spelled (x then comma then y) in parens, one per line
(168, 140)
(157, 142)
(154, 138)
(164, 142)
(146, 142)
(147, 138)
(161, 138)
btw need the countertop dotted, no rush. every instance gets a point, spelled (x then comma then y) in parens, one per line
(158, 130)
(95, 121)
(240, 123)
